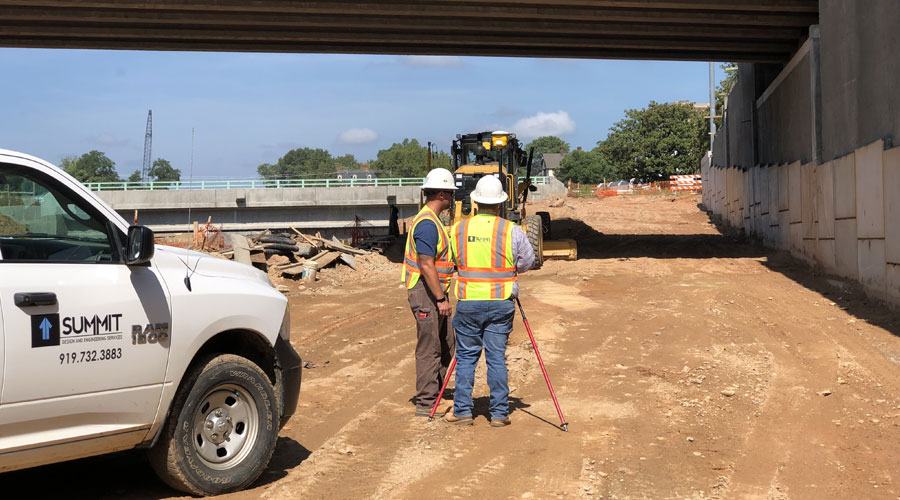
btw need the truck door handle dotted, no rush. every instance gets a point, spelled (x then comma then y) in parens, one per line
(33, 299)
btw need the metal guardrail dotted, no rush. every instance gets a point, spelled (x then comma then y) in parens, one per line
(261, 184)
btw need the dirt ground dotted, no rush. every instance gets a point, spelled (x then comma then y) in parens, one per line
(689, 364)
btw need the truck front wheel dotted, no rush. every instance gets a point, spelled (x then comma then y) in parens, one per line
(221, 431)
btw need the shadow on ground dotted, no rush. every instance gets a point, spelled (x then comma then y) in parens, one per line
(848, 294)
(288, 455)
(593, 244)
(126, 474)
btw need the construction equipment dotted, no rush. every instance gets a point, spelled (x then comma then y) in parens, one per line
(501, 154)
(148, 145)
(562, 419)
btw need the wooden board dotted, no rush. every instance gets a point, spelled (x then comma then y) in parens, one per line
(241, 249)
(328, 259)
(311, 242)
(348, 259)
(336, 245)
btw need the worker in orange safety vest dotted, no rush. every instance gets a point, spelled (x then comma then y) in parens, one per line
(427, 269)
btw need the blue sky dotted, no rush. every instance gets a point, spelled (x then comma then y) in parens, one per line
(248, 109)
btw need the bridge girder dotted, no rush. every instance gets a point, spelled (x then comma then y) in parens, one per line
(716, 30)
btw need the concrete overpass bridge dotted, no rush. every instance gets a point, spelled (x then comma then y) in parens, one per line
(706, 30)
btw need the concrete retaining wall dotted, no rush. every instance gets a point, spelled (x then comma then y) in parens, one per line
(841, 215)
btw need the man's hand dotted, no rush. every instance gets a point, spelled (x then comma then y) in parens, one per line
(430, 275)
(444, 308)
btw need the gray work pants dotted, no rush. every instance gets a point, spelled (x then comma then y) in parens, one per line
(435, 345)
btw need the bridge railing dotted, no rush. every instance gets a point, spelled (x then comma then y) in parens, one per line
(260, 184)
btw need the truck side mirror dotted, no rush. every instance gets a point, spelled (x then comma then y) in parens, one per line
(532, 188)
(140, 246)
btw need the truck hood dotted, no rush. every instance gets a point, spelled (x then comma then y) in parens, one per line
(207, 265)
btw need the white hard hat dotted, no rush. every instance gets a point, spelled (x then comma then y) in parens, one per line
(489, 191)
(439, 179)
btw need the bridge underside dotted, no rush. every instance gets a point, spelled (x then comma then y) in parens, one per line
(706, 30)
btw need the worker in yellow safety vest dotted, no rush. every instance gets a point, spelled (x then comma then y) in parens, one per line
(489, 252)
(427, 269)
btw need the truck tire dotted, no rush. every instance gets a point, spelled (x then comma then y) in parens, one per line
(221, 430)
(536, 238)
(545, 223)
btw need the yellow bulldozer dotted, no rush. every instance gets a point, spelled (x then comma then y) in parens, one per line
(500, 154)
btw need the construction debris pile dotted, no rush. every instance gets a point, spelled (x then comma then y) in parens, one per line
(293, 256)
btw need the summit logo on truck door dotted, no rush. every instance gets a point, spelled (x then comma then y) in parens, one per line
(76, 329)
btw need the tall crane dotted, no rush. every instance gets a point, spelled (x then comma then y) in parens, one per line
(148, 143)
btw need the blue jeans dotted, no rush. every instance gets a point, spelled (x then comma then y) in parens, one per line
(482, 323)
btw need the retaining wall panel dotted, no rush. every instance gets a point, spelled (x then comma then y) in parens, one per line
(870, 191)
(891, 167)
(825, 255)
(825, 200)
(845, 187)
(872, 267)
(747, 202)
(892, 282)
(757, 208)
(808, 200)
(794, 191)
(846, 249)
(796, 235)
(784, 187)
(810, 249)
(784, 230)
(773, 189)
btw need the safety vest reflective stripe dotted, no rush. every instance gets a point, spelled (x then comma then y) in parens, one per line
(500, 250)
(490, 275)
(461, 232)
(413, 265)
(461, 255)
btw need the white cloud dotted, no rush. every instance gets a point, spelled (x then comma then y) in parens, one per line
(358, 136)
(430, 61)
(541, 124)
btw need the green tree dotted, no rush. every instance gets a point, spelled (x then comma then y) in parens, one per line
(347, 162)
(585, 167)
(548, 144)
(91, 167)
(300, 162)
(135, 176)
(408, 159)
(162, 170)
(659, 140)
(724, 89)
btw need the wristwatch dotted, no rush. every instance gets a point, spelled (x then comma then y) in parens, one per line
(442, 299)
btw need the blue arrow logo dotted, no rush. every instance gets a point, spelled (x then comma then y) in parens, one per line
(45, 329)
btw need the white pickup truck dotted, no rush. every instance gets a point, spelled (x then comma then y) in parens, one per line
(108, 342)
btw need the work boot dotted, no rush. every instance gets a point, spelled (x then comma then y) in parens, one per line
(500, 422)
(426, 412)
(451, 418)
